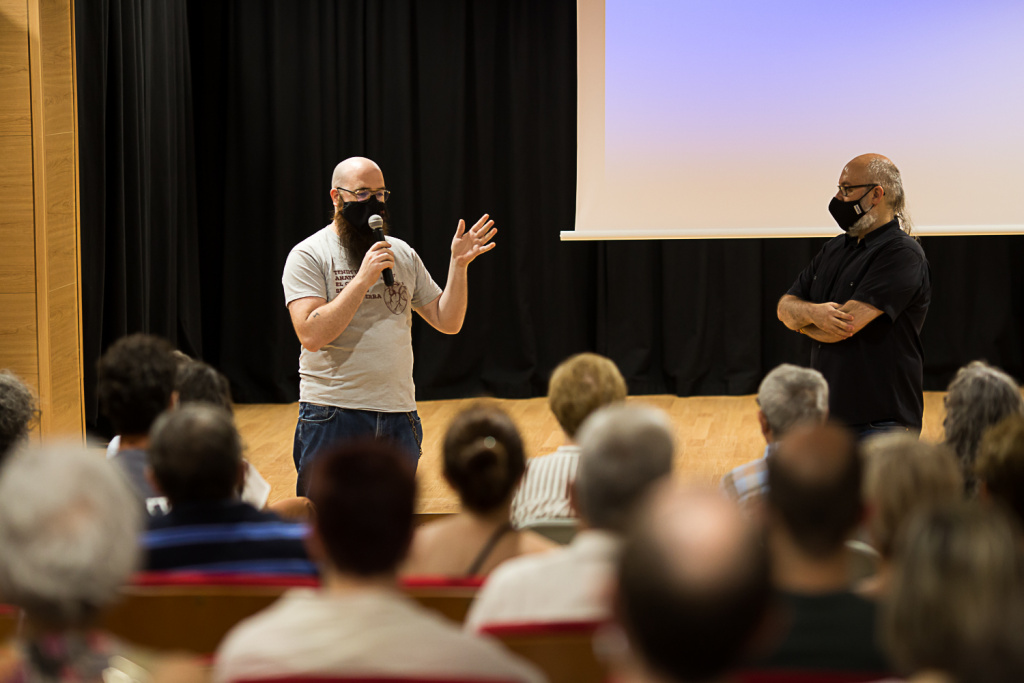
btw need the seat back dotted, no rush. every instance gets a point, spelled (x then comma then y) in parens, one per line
(564, 651)
(450, 597)
(560, 530)
(191, 611)
(9, 616)
(810, 676)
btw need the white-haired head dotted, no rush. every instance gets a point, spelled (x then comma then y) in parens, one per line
(69, 527)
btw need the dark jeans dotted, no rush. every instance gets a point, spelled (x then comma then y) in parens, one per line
(863, 431)
(321, 426)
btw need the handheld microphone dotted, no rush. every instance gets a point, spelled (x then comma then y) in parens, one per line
(376, 224)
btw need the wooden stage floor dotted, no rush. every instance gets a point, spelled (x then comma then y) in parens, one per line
(713, 435)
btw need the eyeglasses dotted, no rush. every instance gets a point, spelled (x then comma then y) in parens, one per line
(363, 194)
(845, 189)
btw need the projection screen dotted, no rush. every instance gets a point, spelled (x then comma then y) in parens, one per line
(734, 118)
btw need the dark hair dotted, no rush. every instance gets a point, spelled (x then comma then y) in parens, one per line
(814, 486)
(483, 457)
(197, 381)
(686, 624)
(364, 492)
(135, 380)
(17, 408)
(196, 453)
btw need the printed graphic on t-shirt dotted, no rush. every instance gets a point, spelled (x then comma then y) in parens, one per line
(396, 298)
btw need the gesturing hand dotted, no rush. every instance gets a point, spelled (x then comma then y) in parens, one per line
(468, 244)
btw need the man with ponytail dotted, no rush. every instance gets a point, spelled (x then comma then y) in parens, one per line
(863, 300)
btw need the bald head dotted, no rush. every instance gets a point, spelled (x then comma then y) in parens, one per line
(814, 481)
(887, 196)
(357, 172)
(693, 583)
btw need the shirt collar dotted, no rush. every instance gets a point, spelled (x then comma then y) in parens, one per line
(874, 237)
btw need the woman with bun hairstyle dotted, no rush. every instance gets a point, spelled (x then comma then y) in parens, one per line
(483, 462)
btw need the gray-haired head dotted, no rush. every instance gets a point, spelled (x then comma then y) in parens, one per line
(69, 527)
(978, 397)
(882, 171)
(624, 449)
(790, 395)
(195, 453)
(17, 408)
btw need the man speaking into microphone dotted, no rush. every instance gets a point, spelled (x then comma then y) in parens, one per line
(355, 367)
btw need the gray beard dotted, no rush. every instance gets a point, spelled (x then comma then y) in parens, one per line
(863, 225)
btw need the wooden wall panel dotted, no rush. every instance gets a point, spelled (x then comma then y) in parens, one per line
(17, 239)
(59, 213)
(15, 113)
(40, 310)
(65, 395)
(18, 336)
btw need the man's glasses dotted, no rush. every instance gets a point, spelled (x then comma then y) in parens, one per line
(365, 193)
(843, 189)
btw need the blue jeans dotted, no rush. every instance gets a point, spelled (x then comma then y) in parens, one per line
(863, 431)
(321, 426)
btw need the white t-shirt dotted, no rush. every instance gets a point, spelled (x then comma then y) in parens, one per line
(369, 366)
(566, 584)
(370, 633)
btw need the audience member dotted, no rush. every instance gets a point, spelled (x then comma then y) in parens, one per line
(956, 610)
(578, 386)
(901, 475)
(359, 623)
(978, 397)
(693, 587)
(483, 461)
(68, 540)
(17, 410)
(813, 505)
(789, 395)
(1000, 465)
(135, 383)
(624, 450)
(196, 458)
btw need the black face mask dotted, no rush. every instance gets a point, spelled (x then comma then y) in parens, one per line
(846, 213)
(358, 213)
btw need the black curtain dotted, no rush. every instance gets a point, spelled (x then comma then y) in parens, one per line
(470, 107)
(139, 228)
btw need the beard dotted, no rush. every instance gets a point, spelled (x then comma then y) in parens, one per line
(357, 239)
(863, 225)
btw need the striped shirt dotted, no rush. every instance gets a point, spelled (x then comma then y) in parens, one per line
(225, 536)
(748, 482)
(544, 491)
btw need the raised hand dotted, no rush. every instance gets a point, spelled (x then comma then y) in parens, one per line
(468, 244)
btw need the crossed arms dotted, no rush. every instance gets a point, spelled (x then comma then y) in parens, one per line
(828, 322)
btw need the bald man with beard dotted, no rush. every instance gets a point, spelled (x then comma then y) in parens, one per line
(863, 300)
(356, 361)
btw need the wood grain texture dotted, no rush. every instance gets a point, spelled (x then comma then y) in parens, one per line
(55, 50)
(18, 336)
(17, 239)
(59, 213)
(15, 94)
(67, 415)
(713, 434)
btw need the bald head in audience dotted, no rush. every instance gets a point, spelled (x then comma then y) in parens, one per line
(693, 585)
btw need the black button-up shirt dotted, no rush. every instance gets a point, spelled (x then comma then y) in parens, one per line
(878, 373)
